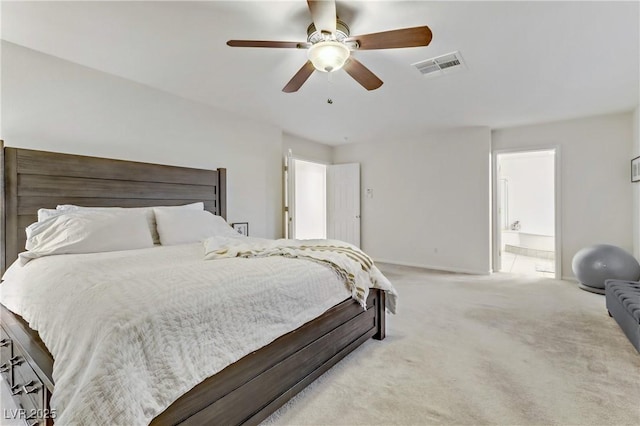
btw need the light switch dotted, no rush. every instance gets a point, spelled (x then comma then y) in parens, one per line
(369, 193)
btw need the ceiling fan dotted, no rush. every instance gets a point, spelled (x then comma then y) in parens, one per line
(330, 45)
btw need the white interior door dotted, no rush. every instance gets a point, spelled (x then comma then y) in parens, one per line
(343, 203)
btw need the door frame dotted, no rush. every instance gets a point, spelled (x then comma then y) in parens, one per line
(496, 240)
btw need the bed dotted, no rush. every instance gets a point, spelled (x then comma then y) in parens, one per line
(245, 392)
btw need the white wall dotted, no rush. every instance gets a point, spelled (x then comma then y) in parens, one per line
(430, 204)
(55, 105)
(636, 186)
(307, 149)
(530, 191)
(596, 193)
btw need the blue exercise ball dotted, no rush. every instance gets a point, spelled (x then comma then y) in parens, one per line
(595, 264)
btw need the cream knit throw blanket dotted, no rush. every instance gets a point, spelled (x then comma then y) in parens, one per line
(348, 261)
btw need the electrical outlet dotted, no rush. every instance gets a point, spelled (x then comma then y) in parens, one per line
(369, 193)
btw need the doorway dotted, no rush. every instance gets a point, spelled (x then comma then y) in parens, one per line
(322, 201)
(308, 203)
(526, 212)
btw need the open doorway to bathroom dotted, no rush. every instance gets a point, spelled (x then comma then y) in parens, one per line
(526, 213)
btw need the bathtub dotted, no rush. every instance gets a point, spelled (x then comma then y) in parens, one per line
(530, 243)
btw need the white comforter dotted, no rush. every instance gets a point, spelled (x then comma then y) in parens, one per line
(132, 331)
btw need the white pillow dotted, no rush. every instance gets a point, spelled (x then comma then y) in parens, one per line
(194, 206)
(87, 232)
(148, 211)
(182, 226)
(44, 214)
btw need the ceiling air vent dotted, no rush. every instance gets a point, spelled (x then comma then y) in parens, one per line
(441, 65)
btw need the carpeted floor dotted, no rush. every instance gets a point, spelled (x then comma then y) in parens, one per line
(464, 349)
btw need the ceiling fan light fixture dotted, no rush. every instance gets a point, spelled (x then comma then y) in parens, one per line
(328, 56)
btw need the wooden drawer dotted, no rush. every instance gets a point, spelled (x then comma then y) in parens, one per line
(6, 353)
(29, 391)
(31, 368)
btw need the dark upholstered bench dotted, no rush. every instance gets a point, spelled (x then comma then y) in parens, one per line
(623, 304)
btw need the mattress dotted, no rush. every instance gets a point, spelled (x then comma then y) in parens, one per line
(132, 331)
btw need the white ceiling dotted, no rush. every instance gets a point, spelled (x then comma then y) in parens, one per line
(527, 62)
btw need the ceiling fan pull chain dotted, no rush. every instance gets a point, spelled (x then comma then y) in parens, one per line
(329, 86)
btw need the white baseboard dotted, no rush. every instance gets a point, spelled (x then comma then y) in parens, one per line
(434, 267)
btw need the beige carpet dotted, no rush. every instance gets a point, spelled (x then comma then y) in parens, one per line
(500, 349)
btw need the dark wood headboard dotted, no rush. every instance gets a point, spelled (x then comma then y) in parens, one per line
(40, 179)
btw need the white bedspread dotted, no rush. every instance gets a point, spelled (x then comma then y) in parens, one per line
(132, 331)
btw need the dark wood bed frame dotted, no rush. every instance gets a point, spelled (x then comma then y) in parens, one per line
(245, 392)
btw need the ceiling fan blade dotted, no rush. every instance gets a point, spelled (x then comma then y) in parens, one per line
(323, 14)
(394, 39)
(261, 43)
(298, 80)
(362, 74)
